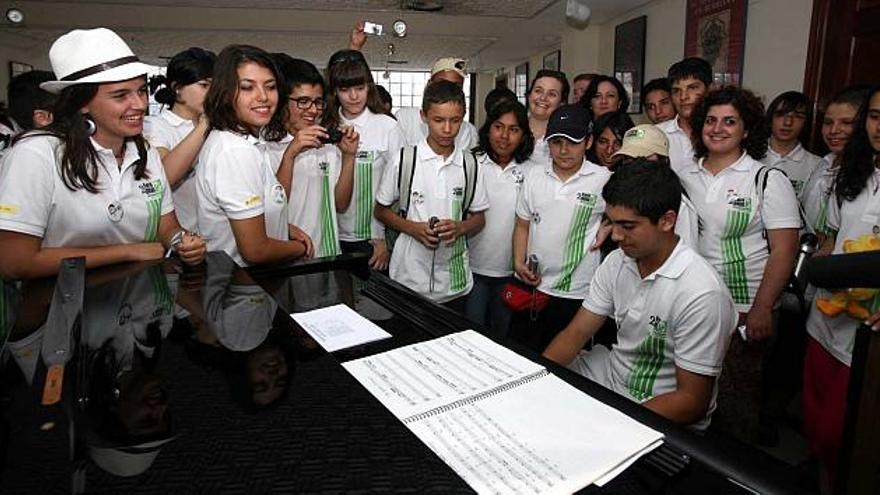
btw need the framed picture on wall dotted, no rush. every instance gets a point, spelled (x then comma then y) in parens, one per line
(552, 60)
(16, 68)
(521, 81)
(716, 32)
(629, 59)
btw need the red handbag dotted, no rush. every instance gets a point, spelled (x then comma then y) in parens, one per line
(517, 297)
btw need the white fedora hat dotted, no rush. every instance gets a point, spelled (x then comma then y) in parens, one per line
(92, 56)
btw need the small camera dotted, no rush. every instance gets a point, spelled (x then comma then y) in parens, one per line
(373, 28)
(334, 135)
(532, 263)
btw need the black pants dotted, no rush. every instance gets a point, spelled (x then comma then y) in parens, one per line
(537, 334)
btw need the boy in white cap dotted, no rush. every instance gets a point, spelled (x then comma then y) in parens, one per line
(558, 215)
(647, 142)
(674, 314)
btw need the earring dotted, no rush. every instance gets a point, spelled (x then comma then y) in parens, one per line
(91, 128)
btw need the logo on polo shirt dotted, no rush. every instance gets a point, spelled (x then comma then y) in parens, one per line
(457, 192)
(151, 189)
(536, 218)
(737, 202)
(588, 199)
(278, 195)
(324, 167)
(658, 326)
(364, 157)
(518, 176)
(417, 198)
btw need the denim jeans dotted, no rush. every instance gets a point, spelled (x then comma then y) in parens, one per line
(485, 306)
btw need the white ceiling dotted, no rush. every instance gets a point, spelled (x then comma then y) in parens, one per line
(490, 33)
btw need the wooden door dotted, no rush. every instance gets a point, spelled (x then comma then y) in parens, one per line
(844, 50)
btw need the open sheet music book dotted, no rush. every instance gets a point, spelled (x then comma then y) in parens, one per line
(502, 422)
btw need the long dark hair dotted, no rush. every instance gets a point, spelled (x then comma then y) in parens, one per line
(857, 159)
(526, 146)
(345, 69)
(619, 122)
(220, 100)
(79, 161)
(751, 111)
(187, 67)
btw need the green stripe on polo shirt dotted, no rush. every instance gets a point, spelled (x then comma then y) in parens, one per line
(161, 292)
(154, 209)
(457, 273)
(328, 245)
(364, 197)
(574, 244)
(649, 359)
(733, 261)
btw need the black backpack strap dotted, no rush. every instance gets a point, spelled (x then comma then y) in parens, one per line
(405, 173)
(471, 176)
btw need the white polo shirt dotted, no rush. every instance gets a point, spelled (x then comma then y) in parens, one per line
(437, 190)
(34, 199)
(851, 220)
(681, 148)
(817, 192)
(563, 220)
(799, 165)
(235, 181)
(312, 204)
(680, 316)
(380, 141)
(167, 130)
(541, 154)
(491, 249)
(415, 130)
(734, 221)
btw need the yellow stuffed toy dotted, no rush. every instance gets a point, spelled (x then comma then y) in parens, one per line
(851, 300)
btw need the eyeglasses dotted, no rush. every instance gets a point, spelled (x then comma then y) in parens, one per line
(304, 102)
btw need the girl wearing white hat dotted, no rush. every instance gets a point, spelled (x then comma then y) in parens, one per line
(242, 208)
(89, 185)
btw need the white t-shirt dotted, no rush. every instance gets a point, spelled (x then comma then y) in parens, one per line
(680, 316)
(312, 204)
(799, 165)
(541, 154)
(681, 149)
(437, 190)
(817, 192)
(235, 181)
(563, 220)
(35, 201)
(167, 130)
(851, 220)
(380, 142)
(491, 249)
(734, 220)
(415, 130)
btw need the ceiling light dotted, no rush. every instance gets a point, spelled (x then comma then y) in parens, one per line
(399, 28)
(15, 16)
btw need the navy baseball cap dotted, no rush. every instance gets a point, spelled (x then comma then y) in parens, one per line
(572, 122)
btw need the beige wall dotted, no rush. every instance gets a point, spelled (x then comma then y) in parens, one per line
(777, 36)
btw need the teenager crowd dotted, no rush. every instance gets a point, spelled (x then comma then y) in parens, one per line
(646, 257)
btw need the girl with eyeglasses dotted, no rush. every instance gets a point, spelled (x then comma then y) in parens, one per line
(353, 100)
(180, 128)
(242, 207)
(89, 185)
(317, 174)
